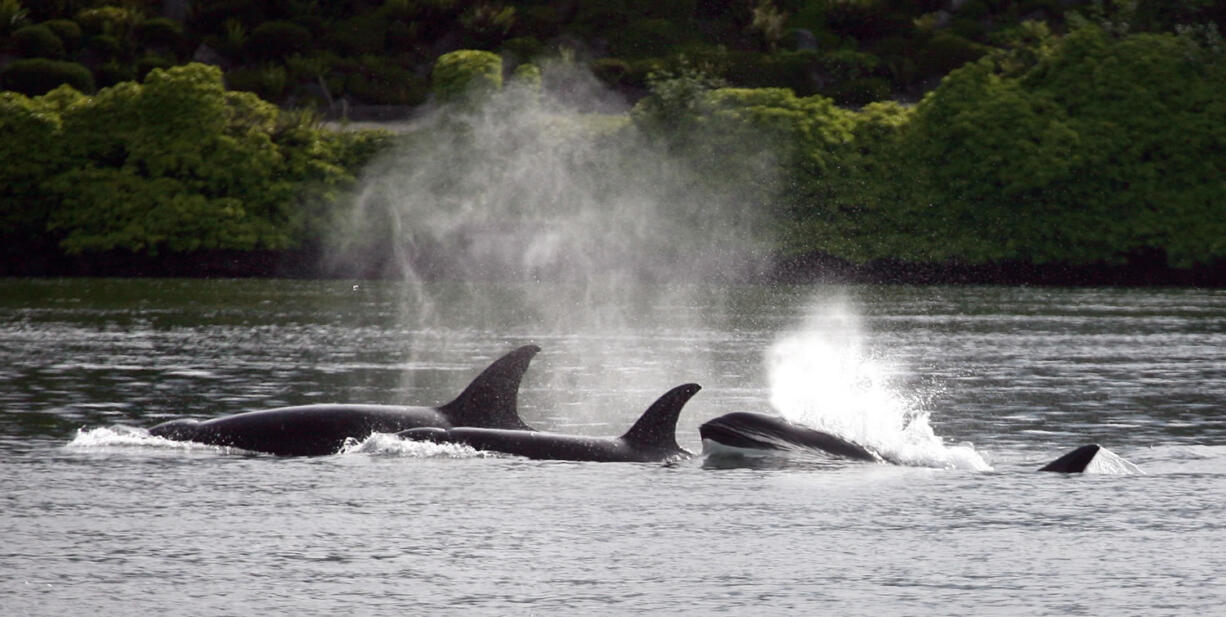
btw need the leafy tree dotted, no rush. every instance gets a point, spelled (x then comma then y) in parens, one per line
(179, 164)
(467, 75)
(12, 16)
(277, 39)
(38, 42)
(851, 211)
(30, 147)
(35, 76)
(113, 20)
(67, 31)
(1103, 148)
(488, 24)
(674, 101)
(527, 76)
(159, 32)
(766, 149)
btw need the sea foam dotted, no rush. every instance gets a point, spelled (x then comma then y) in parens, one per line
(822, 376)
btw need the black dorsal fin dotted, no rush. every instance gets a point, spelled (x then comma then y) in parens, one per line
(657, 427)
(490, 400)
(1074, 461)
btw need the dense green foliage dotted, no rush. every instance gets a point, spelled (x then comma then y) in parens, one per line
(378, 52)
(1038, 136)
(467, 74)
(38, 42)
(1096, 149)
(1087, 148)
(37, 76)
(176, 163)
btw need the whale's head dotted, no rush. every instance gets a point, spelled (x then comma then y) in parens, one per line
(755, 431)
(176, 430)
(744, 430)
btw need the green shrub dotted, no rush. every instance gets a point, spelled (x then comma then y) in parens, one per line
(105, 46)
(590, 19)
(152, 61)
(38, 42)
(1104, 147)
(36, 76)
(177, 164)
(945, 52)
(466, 75)
(211, 16)
(793, 69)
(527, 77)
(68, 32)
(401, 37)
(523, 48)
(112, 73)
(159, 33)
(673, 102)
(645, 38)
(276, 39)
(860, 91)
(968, 28)
(676, 11)
(487, 24)
(359, 35)
(230, 40)
(540, 22)
(847, 64)
(376, 80)
(812, 124)
(12, 16)
(611, 71)
(31, 151)
(975, 9)
(765, 148)
(173, 164)
(268, 81)
(865, 21)
(401, 10)
(113, 20)
(309, 68)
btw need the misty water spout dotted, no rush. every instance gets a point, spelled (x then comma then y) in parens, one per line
(822, 376)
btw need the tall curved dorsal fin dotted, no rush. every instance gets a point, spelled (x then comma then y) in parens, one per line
(1074, 461)
(657, 427)
(490, 401)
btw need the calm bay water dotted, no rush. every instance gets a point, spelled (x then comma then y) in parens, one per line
(95, 517)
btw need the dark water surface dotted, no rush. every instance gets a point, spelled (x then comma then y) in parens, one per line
(980, 385)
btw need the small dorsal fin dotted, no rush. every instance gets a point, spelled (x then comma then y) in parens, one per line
(657, 427)
(1074, 461)
(490, 400)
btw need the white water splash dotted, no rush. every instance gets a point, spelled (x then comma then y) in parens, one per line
(125, 437)
(1108, 463)
(120, 436)
(821, 376)
(386, 444)
(542, 219)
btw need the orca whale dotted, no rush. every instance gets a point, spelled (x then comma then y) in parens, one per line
(1075, 461)
(315, 430)
(744, 430)
(652, 438)
(1093, 458)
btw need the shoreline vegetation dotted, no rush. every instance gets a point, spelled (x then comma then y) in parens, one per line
(815, 268)
(1076, 143)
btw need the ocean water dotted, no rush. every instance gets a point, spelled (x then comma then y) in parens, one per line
(974, 387)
